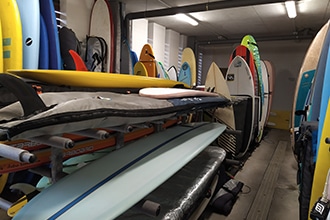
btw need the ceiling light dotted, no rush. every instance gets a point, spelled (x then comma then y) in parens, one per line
(186, 18)
(291, 9)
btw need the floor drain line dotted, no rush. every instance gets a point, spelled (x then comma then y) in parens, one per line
(261, 204)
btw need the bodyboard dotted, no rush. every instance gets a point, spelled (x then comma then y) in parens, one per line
(102, 25)
(147, 57)
(30, 19)
(12, 38)
(179, 145)
(189, 57)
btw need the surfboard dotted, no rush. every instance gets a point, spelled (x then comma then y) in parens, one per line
(161, 72)
(102, 25)
(266, 94)
(12, 41)
(323, 158)
(215, 79)
(166, 93)
(95, 79)
(147, 57)
(185, 74)
(240, 83)
(140, 69)
(271, 83)
(305, 77)
(1, 49)
(250, 42)
(188, 56)
(172, 73)
(44, 46)
(48, 13)
(30, 19)
(175, 147)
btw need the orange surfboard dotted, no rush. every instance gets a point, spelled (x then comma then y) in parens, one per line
(148, 59)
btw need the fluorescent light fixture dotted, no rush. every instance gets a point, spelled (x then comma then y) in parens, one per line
(186, 18)
(291, 8)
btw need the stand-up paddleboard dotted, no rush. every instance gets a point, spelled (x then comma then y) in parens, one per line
(44, 46)
(30, 19)
(172, 73)
(265, 81)
(140, 69)
(189, 57)
(250, 42)
(304, 79)
(95, 79)
(147, 57)
(161, 72)
(185, 74)
(215, 80)
(12, 42)
(113, 174)
(167, 93)
(240, 83)
(271, 84)
(102, 25)
(48, 13)
(323, 160)
(1, 49)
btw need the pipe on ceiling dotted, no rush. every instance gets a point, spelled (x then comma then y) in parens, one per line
(198, 8)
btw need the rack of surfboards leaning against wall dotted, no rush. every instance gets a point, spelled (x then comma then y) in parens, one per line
(57, 115)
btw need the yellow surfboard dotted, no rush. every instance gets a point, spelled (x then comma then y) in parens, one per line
(140, 69)
(189, 57)
(11, 35)
(322, 162)
(1, 50)
(95, 79)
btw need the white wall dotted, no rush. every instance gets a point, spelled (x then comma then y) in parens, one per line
(172, 41)
(139, 35)
(156, 35)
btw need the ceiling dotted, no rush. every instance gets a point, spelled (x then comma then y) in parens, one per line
(232, 19)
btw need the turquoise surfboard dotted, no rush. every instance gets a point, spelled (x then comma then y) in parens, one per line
(48, 13)
(125, 176)
(30, 19)
(44, 46)
(185, 74)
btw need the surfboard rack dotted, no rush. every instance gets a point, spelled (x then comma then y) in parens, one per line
(92, 133)
(54, 141)
(16, 154)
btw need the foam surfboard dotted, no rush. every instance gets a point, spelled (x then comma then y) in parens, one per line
(240, 83)
(305, 77)
(166, 93)
(30, 18)
(95, 79)
(48, 13)
(271, 83)
(188, 56)
(147, 57)
(102, 25)
(1, 50)
(323, 158)
(12, 41)
(173, 148)
(185, 74)
(215, 79)
(44, 46)
(140, 69)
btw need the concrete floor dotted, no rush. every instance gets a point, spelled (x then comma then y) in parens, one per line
(270, 190)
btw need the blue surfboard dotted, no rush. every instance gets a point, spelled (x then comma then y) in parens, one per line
(185, 74)
(30, 19)
(44, 46)
(48, 12)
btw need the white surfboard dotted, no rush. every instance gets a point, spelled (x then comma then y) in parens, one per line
(122, 178)
(30, 18)
(265, 80)
(166, 93)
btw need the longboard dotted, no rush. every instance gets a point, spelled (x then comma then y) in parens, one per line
(215, 80)
(102, 25)
(240, 83)
(30, 19)
(95, 79)
(188, 56)
(147, 57)
(173, 148)
(166, 93)
(12, 41)
(307, 72)
(48, 13)
(322, 162)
